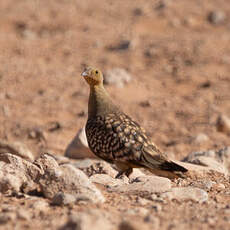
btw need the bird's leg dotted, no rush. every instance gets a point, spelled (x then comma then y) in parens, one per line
(124, 169)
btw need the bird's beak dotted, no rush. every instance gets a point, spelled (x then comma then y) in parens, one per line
(85, 73)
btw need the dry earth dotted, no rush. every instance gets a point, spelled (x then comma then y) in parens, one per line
(178, 56)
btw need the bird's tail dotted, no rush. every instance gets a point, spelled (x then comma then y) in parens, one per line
(163, 167)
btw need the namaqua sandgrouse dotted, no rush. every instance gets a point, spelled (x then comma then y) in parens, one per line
(116, 138)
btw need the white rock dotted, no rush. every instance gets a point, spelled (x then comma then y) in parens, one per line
(40, 205)
(223, 124)
(117, 76)
(93, 166)
(78, 148)
(106, 180)
(16, 148)
(63, 199)
(186, 193)
(214, 160)
(91, 219)
(67, 179)
(201, 138)
(24, 214)
(217, 17)
(223, 155)
(17, 174)
(145, 184)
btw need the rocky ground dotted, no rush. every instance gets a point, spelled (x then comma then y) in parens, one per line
(166, 64)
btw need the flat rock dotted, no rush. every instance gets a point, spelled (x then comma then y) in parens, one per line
(91, 219)
(78, 147)
(223, 155)
(17, 174)
(223, 124)
(106, 180)
(93, 166)
(201, 138)
(186, 193)
(16, 148)
(145, 184)
(63, 199)
(40, 205)
(67, 179)
(213, 160)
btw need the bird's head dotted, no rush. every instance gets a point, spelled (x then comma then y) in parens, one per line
(93, 76)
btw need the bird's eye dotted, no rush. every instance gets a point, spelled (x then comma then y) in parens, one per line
(96, 72)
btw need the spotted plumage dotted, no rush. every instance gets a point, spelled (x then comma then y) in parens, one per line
(116, 138)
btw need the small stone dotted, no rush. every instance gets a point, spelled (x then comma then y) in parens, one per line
(214, 160)
(223, 124)
(24, 214)
(211, 163)
(219, 187)
(54, 126)
(157, 207)
(63, 199)
(152, 220)
(105, 180)
(78, 148)
(91, 219)
(16, 148)
(7, 217)
(40, 205)
(132, 225)
(201, 138)
(186, 193)
(61, 159)
(118, 77)
(142, 201)
(37, 133)
(216, 17)
(91, 167)
(223, 155)
(203, 184)
(121, 46)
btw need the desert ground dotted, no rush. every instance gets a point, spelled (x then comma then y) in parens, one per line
(177, 57)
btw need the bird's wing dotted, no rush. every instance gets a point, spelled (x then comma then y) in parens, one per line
(136, 148)
(133, 142)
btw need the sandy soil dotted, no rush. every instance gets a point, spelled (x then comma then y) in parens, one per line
(179, 62)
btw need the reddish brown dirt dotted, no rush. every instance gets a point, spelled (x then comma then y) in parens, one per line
(179, 62)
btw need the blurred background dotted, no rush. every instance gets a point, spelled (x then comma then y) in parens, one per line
(167, 65)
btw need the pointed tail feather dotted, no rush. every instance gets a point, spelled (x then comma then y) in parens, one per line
(172, 167)
(163, 167)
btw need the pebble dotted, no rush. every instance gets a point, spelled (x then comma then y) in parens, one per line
(63, 199)
(118, 77)
(144, 184)
(201, 138)
(92, 219)
(105, 180)
(223, 124)
(217, 17)
(16, 148)
(186, 193)
(92, 166)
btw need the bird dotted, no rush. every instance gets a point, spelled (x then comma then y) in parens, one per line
(116, 138)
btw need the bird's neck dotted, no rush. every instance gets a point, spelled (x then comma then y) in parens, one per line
(100, 102)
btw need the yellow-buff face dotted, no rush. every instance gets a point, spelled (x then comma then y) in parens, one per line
(93, 76)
